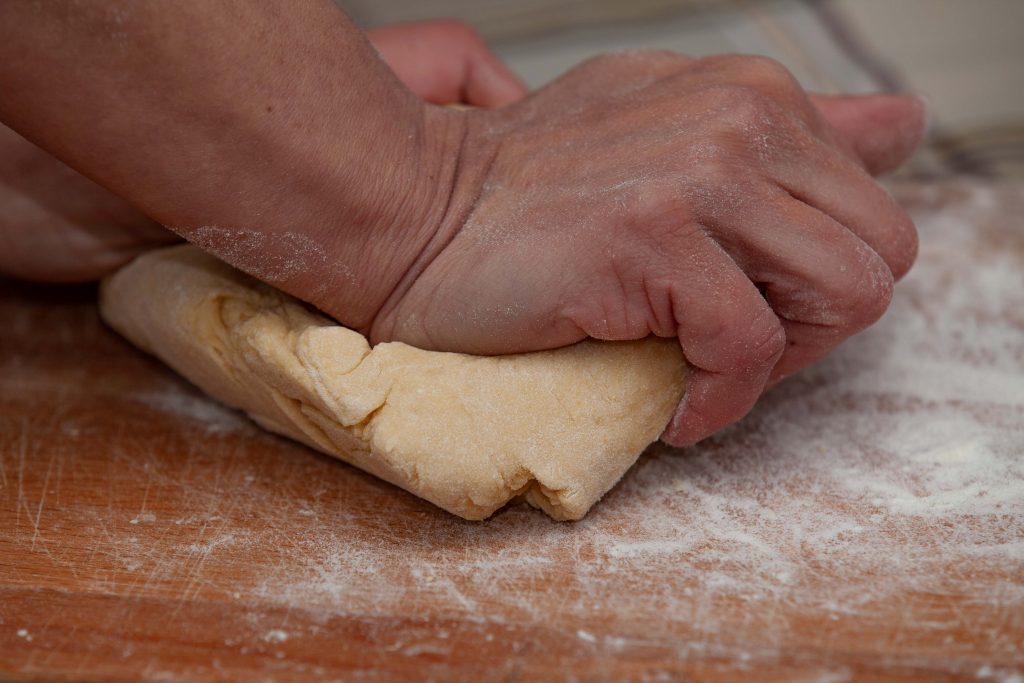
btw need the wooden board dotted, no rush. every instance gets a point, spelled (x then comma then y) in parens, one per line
(865, 523)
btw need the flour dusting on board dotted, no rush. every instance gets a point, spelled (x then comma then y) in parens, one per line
(854, 486)
(214, 417)
(881, 491)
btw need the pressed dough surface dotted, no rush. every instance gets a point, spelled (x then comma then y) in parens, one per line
(467, 433)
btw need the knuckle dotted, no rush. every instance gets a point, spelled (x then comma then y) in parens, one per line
(760, 76)
(659, 209)
(598, 66)
(767, 340)
(904, 251)
(767, 72)
(865, 296)
(640, 64)
(751, 343)
(747, 131)
(602, 61)
(745, 110)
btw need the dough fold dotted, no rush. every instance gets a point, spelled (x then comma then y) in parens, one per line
(468, 433)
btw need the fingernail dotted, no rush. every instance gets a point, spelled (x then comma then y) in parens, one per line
(677, 416)
(673, 425)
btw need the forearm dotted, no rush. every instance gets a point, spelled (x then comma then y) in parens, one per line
(257, 127)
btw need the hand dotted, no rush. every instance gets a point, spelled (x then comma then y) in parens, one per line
(58, 226)
(446, 62)
(648, 193)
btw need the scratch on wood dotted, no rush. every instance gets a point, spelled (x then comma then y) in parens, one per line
(145, 495)
(3, 473)
(22, 451)
(42, 501)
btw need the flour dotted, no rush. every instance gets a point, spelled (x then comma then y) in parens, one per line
(143, 518)
(273, 257)
(214, 417)
(275, 636)
(879, 492)
(854, 487)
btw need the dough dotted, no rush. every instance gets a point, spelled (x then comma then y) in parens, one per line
(468, 433)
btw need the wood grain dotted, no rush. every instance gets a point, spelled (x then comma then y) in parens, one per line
(865, 523)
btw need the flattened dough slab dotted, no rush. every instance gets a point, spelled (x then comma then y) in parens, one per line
(468, 433)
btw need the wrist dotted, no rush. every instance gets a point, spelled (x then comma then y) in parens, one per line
(340, 218)
(411, 199)
(453, 161)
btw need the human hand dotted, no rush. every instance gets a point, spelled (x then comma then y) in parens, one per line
(446, 62)
(58, 226)
(648, 193)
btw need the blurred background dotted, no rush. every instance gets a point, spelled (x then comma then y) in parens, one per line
(965, 56)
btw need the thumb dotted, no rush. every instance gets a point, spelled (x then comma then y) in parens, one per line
(882, 131)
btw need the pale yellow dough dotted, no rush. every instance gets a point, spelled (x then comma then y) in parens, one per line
(468, 433)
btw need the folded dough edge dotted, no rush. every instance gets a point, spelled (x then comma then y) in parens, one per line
(556, 428)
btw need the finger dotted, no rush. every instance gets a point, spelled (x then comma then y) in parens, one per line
(489, 82)
(730, 338)
(883, 131)
(769, 87)
(879, 131)
(822, 281)
(844, 191)
(446, 62)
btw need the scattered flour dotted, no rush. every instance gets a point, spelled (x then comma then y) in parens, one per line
(890, 473)
(272, 257)
(143, 518)
(275, 636)
(880, 492)
(214, 417)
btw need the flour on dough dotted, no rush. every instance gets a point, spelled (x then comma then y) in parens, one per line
(468, 433)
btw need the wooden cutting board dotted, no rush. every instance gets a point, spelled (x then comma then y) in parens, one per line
(864, 523)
